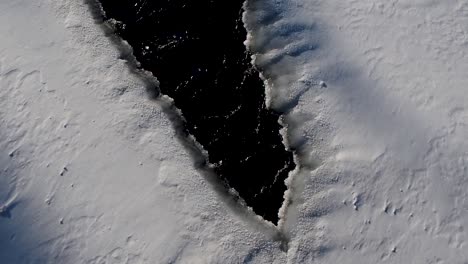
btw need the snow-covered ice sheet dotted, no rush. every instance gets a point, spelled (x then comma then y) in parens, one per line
(92, 170)
(377, 94)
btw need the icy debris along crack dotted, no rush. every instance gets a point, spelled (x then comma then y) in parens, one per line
(197, 52)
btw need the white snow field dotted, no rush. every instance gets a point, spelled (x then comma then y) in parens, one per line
(92, 169)
(386, 133)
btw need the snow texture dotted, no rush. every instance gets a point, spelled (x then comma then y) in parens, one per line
(93, 170)
(377, 99)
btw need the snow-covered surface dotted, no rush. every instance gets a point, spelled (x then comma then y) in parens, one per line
(386, 131)
(92, 170)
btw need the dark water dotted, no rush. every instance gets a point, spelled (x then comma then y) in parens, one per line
(196, 50)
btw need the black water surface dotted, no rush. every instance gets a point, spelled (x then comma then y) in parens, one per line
(195, 49)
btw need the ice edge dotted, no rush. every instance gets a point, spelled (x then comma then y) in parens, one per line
(200, 156)
(290, 192)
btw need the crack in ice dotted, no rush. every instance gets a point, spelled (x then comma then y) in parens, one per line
(197, 52)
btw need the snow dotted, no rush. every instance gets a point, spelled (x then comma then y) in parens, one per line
(385, 137)
(93, 170)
